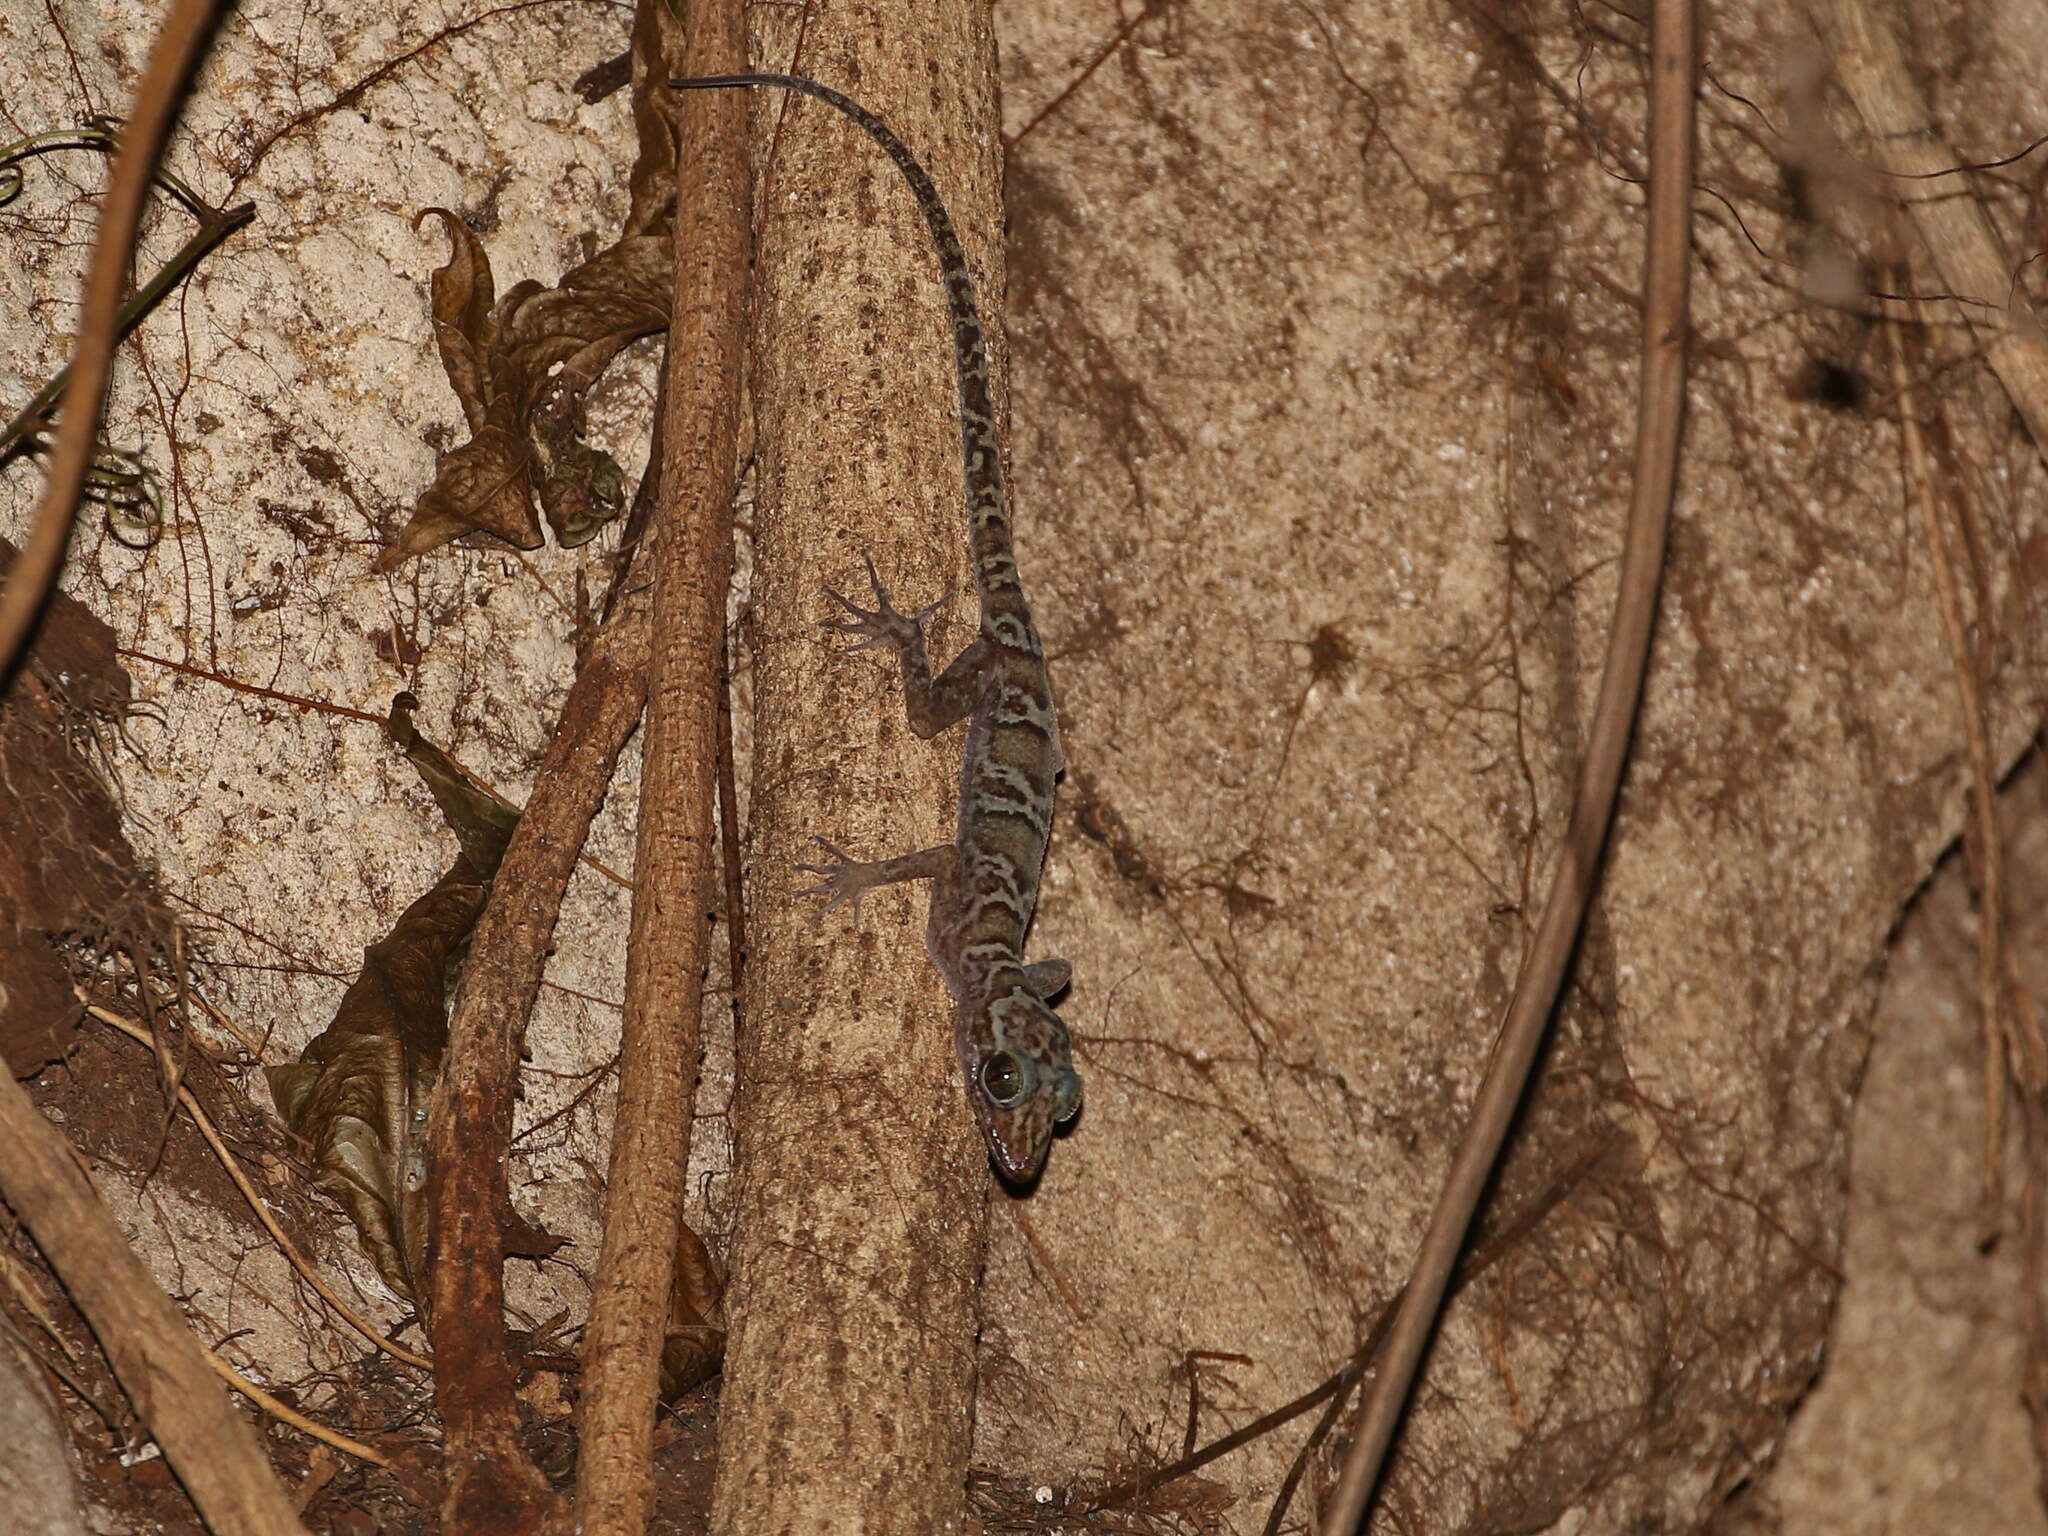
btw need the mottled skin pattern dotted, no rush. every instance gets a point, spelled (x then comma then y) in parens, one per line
(1013, 1048)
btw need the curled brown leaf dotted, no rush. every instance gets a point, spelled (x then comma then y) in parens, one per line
(357, 1096)
(522, 365)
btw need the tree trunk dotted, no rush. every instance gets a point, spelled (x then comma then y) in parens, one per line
(861, 1186)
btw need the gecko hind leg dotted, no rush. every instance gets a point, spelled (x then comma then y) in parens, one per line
(1048, 978)
(848, 879)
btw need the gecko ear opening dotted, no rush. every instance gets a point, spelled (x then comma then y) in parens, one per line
(1007, 1079)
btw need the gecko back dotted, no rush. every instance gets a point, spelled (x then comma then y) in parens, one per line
(1014, 1051)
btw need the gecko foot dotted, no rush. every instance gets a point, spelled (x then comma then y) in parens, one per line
(842, 884)
(847, 879)
(882, 625)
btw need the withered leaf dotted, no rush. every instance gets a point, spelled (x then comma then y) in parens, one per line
(358, 1093)
(485, 485)
(657, 59)
(462, 295)
(583, 488)
(360, 1103)
(693, 1345)
(522, 365)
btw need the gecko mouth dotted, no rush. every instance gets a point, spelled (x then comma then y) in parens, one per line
(1019, 1168)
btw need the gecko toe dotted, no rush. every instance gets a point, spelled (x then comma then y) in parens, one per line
(875, 581)
(840, 885)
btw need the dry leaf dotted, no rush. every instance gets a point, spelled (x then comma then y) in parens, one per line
(522, 365)
(358, 1094)
(693, 1346)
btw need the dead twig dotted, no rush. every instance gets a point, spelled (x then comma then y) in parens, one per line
(1660, 415)
(166, 1374)
(215, 225)
(729, 836)
(172, 58)
(285, 1414)
(322, 706)
(675, 876)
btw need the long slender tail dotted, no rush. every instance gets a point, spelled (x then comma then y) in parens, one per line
(981, 458)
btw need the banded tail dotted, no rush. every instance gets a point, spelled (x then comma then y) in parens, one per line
(981, 457)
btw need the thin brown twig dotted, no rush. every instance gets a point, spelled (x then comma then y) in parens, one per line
(296, 1259)
(16, 1277)
(674, 869)
(296, 700)
(172, 58)
(1283, 1500)
(251, 1046)
(1659, 419)
(349, 96)
(729, 836)
(1920, 490)
(286, 1414)
(215, 225)
(1117, 39)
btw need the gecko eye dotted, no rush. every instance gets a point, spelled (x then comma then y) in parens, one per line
(1007, 1079)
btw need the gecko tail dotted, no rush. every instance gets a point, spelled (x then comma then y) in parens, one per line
(989, 544)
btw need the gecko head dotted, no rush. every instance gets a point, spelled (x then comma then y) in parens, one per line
(1020, 1077)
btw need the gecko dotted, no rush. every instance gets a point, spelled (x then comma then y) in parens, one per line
(1014, 1050)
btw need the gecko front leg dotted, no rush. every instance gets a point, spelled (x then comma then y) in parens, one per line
(932, 703)
(847, 879)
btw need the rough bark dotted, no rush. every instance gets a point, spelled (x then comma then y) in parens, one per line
(861, 1188)
(675, 871)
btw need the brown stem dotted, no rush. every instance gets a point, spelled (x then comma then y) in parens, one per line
(214, 1451)
(729, 839)
(674, 870)
(1660, 402)
(493, 1488)
(298, 1261)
